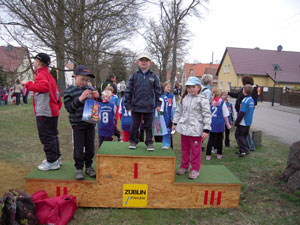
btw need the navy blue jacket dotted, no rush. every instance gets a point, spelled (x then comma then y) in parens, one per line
(143, 92)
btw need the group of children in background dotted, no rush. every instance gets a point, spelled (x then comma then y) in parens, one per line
(196, 117)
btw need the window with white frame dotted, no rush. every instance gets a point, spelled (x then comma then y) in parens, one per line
(221, 85)
(191, 74)
(228, 86)
(225, 68)
(228, 68)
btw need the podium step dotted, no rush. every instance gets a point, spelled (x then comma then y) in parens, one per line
(139, 179)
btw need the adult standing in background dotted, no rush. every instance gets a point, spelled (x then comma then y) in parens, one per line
(109, 82)
(25, 95)
(17, 91)
(206, 81)
(239, 98)
(122, 88)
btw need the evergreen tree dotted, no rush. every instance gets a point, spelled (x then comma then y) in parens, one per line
(118, 67)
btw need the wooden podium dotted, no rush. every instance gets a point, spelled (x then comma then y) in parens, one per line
(139, 179)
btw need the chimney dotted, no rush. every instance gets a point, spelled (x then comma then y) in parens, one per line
(279, 48)
(9, 48)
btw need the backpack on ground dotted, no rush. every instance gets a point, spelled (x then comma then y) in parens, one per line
(18, 209)
(56, 210)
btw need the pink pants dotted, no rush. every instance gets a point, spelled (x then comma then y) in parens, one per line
(191, 148)
(125, 136)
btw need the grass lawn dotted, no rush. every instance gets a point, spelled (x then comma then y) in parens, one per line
(263, 199)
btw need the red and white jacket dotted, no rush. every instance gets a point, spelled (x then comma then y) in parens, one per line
(46, 96)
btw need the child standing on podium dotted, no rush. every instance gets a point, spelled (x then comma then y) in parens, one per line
(192, 119)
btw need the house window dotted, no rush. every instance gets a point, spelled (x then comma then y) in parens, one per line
(221, 86)
(228, 86)
(228, 68)
(225, 68)
(191, 74)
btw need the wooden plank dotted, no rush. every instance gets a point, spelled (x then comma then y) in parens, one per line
(121, 169)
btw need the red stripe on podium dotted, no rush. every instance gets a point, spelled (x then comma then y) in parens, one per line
(57, 191)
(136, 168)
(206, 197)
(219, 198)
(212, 197)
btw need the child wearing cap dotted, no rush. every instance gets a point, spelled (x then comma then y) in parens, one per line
(141, 99)
(83, 132)
(46, 104)
(192, 120)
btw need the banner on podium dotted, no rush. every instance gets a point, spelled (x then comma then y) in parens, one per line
(135, 195)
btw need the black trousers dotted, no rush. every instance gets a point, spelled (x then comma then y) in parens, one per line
(18, 97)
(136, 118)
(25, 101)
(215, 140)
(47, 129)
(84, 147)
(227, 133)
(241, 134)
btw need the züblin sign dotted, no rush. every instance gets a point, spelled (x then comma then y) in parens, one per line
(135, 195)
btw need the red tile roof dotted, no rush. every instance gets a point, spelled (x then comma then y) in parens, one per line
(200, 69)
(259, 62)
(11, 58)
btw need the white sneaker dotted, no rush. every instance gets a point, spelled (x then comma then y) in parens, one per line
(194, 174)
(49, 166)
(165, 147)
(59, 160)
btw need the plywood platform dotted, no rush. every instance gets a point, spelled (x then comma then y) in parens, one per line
(138, 178)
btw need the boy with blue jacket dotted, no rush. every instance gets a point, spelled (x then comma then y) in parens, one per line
(141, 98)
(244, 120)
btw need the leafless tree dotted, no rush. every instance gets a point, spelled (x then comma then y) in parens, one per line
(81, 31)
(176, 11)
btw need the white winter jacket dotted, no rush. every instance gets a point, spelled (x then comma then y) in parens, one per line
(193, 115)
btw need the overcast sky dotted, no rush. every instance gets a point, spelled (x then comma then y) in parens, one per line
(242, 23)
(239, 23)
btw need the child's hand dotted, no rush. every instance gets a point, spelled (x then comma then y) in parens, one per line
(95, 94)
(173, 127)
(85, 95)
(204, 135)
(228, 127)
(23, 82)
(158, 109)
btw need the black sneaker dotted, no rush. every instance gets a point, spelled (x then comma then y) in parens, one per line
(79, 175)
(90, 172)
(150, 147)
(132, 145)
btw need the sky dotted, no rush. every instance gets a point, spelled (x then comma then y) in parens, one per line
(244, 24)
(237, 23)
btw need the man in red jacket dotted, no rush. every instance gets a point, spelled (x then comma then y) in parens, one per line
(46, 104)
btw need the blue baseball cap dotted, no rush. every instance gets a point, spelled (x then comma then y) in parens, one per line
(193, 81)
(83, 71)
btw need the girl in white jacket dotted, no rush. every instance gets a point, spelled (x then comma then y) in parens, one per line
(192, 120)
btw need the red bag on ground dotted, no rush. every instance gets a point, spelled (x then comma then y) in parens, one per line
(57, 210)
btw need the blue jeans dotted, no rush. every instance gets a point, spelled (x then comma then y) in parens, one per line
(166, 139)
(250, 142)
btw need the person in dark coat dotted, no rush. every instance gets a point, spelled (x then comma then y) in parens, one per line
(239, 98)
(109, 82)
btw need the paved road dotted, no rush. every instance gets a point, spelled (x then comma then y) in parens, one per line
(280, 122)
